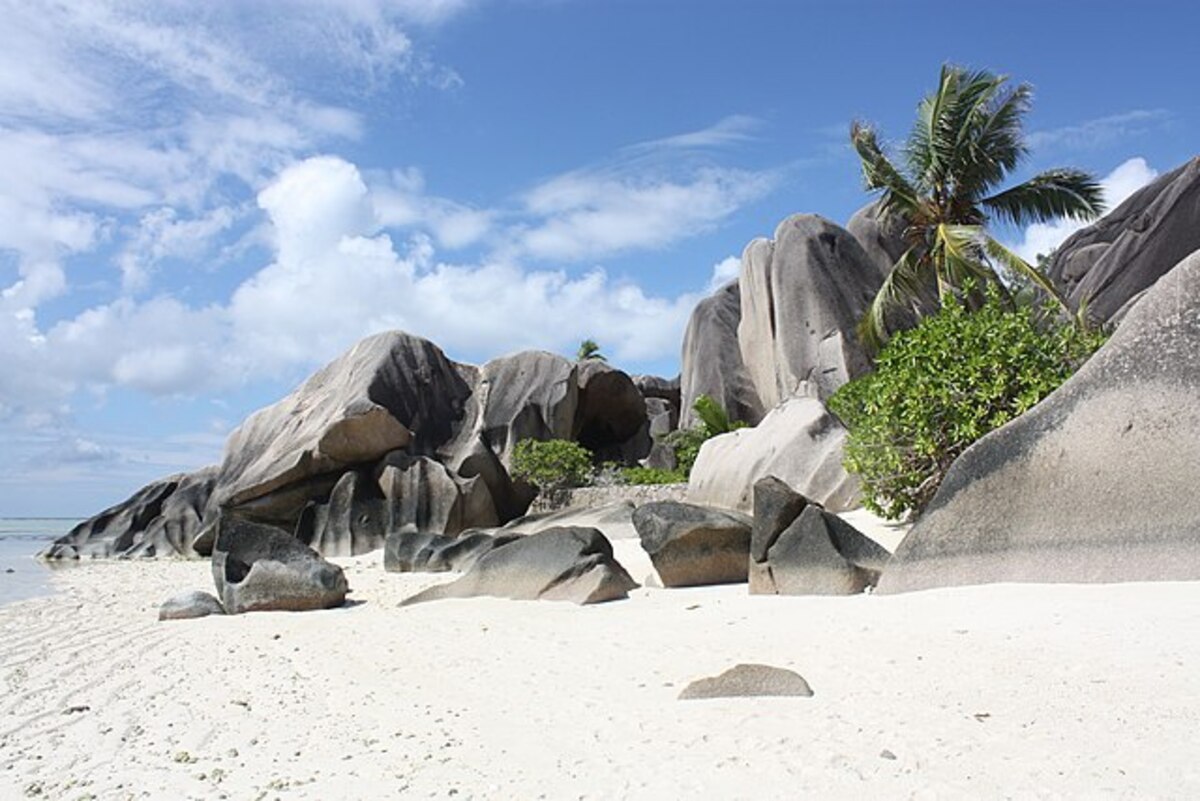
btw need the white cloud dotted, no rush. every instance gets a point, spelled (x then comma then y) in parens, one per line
(589, 214)
(1118, 185)
(723, 272)
(734, 129)
(401, 201)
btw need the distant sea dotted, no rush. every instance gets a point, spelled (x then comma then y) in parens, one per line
(20, 539)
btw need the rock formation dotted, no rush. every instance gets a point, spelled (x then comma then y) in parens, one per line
(559, 564)
(803, 295)
(257, 567)
(692, 545)
(1108, 264)
(161, 519)
(799, 442)
(1096, 483)
(712, 359)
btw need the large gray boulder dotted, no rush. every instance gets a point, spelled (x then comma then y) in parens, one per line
(388, 392)
(1096, 483)
(560, 564)
(528, 395)
(258, 567)
(693, 545)
(1112, 261)
(611, 412)
(161, 519)
(712, 360)
(799, 442)
(803, 295)
(424, 495)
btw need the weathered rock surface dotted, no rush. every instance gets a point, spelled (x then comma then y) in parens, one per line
(424, 495)
(749, 680)
(692, 545)
(409, 551)
(881, 239)
(161, 519)
(1111, 262)
(613, 519)
(528, 395)
(353, 521)
(611, 412)
(821, 554)
(803, 295)
(258, 567)
(667, 389)
(1097, 483)
(776, 506)
(712, 360)
(389, 391)
(560, 564)
(190, 605)
(799, 442)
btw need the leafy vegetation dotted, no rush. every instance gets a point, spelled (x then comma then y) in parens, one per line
(653, 475)
(941, 386)
(552, 465)
(589, 349)
(967, 138)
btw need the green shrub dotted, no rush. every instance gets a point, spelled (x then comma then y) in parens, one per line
(653, 475)
(944, 384)
(552, 465)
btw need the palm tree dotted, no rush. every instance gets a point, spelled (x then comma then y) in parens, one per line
(589, 349)
(967, 138)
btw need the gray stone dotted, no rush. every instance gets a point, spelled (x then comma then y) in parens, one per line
(389, 391)
(161, 519)
(747, 681)
(258, 567)
(799, 442)
(821, 554)
(1126, 251)
(881, 239)
(190, 605)
(409, 551)
(1097, 483)
(776, 506)
(611, 413)
(692, 545)
(712, 360)
(613, 519)
(803, 295)
(667, 389)
(424, 495)
(353, 521)
(560, 564)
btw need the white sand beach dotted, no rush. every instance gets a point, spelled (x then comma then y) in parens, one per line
(1024, 691)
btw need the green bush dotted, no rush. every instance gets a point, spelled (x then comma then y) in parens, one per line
(653, 475)
(552, 465)
(944, 384)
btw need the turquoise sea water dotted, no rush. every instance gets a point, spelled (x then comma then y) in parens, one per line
(22, 576)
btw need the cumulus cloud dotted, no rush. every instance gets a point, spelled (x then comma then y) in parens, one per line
(1118, 185)
(723, 272)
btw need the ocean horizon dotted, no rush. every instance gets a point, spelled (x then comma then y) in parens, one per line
(21, 538)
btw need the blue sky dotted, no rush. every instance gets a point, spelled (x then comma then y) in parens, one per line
(205, 201)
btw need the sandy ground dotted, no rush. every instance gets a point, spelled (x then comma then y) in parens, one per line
(1022, 691)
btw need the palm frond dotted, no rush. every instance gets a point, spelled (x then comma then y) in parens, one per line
(1051, 194)
(998, 144)
(902, 285)
(958, 257)
(899, 197)
(1018, 266)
